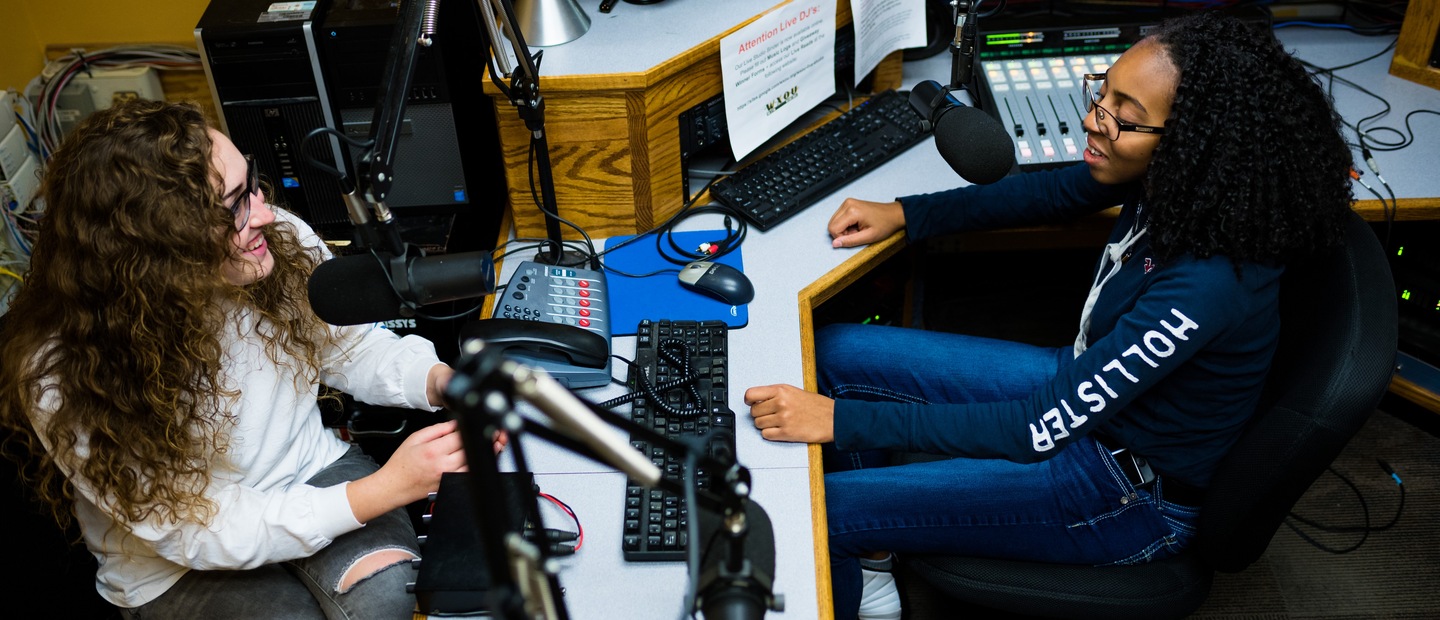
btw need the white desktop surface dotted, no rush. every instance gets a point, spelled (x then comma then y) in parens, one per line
(636, 38)
(598, 582)
(781, 262)
(1410, 171)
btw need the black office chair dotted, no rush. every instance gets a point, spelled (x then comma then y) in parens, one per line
(1337, 352)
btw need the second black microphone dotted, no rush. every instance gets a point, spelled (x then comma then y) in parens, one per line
(971, 141)
(358, 289)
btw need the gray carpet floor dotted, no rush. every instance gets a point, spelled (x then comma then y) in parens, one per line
(1392, 574)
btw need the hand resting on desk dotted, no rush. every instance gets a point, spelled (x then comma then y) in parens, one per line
(862, 222)
(787, 413)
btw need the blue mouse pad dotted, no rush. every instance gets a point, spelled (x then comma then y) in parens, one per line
(661, 296)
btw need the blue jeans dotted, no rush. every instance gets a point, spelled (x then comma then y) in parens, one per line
(1075, 508)
(305, 588)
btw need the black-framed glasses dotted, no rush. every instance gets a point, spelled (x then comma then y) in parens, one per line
(241, 207)
(1093, 83)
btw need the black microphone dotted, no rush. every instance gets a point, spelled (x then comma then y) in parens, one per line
(732, 595)
(357, 289)
(971, 141)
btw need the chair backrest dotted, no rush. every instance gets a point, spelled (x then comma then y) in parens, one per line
(1338, 339)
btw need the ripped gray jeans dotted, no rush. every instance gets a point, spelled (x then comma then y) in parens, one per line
(307, 587)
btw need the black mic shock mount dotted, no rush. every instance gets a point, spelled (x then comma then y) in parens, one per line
(962, 47)
(525, 584)
(735, 587)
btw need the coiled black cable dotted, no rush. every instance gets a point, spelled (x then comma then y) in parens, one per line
(677, 352)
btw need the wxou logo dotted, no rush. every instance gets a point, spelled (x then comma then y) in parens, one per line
(781, 100)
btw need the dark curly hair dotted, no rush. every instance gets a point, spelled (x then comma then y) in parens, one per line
(117, 331)
(1253, 166)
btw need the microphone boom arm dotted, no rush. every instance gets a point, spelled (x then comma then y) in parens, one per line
(580, 426)
(524, 93)
(484, 386)
(374, 168)
(372, 175)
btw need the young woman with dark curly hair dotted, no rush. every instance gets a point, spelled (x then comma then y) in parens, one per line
(1227, 160)
(162, 364)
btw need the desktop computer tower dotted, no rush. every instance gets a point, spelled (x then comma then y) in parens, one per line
(279, 75)
(263, 71)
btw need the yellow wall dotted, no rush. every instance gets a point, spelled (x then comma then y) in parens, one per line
(20, 50)
(87, 22)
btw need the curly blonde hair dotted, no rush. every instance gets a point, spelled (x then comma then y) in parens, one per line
(119, 324)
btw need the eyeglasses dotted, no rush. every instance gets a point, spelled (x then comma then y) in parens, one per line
(1093, 83)
(241, 207)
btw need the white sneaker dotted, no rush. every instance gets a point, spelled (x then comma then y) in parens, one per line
(879, 597)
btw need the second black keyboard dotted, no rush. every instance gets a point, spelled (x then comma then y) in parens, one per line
(785, 182)
(681, 367)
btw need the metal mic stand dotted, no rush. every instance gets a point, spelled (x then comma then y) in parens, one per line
(524, 583)
(374, 175)
(524, 93)
(962, 47)
(482, 394)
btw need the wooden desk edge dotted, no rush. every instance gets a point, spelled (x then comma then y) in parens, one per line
(1415, 393)
(810, 298)
(487, 308)
(1416, 43)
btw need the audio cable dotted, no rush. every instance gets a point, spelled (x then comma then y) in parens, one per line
(1363, 530)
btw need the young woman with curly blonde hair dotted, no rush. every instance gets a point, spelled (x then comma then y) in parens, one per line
(162, 366)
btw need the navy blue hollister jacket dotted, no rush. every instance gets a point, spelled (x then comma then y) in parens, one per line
(1177, 352)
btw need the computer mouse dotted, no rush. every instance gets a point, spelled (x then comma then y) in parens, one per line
(718, 280)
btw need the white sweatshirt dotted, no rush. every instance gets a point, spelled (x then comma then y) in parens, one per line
(266, 513)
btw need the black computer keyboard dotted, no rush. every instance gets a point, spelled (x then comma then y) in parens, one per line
(684, 365)
(785, 182)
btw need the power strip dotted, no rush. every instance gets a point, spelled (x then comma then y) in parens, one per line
(109, 86)
(19, 167)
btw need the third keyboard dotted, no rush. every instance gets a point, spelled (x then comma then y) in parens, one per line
(691, 356)
(785, 182)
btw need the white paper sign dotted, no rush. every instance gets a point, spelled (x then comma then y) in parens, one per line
(883, 26)
(775, 69)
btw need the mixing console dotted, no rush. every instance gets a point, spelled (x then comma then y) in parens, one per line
(1040, 103)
